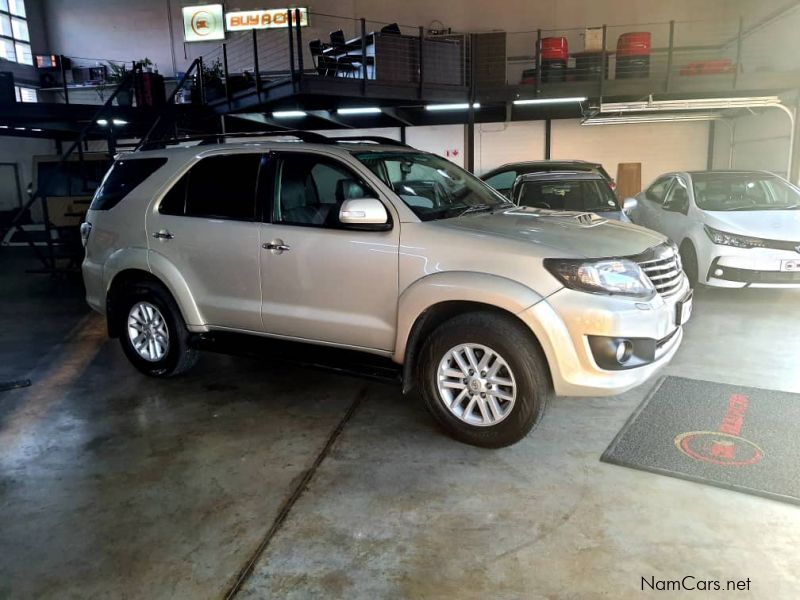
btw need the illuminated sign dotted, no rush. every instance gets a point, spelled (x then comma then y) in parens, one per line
(272, 18)
(203, 23)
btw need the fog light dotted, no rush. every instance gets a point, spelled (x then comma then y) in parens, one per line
(718, 272)
(624, 351)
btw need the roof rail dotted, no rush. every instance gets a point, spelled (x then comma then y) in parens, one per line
(369, 138)
(305, 136)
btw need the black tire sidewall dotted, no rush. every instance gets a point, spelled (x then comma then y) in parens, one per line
(690, 266)
(522, 354)
(161, 299)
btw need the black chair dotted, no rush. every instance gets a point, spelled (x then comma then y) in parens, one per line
(326, 66)
(391, 29)
(345, 63)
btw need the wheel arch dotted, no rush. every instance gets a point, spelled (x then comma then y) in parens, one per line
(437, 298)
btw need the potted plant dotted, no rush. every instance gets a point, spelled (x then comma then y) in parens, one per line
(213, 82)
(117, 73)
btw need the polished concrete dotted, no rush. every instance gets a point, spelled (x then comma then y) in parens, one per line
(115, 485)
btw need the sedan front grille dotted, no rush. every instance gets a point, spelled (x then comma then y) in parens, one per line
(664, 272)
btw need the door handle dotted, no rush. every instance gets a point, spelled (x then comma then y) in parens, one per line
(276, 246)
(163, 235)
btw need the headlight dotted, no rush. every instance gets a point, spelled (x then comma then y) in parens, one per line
(608, 276)
(731, 239)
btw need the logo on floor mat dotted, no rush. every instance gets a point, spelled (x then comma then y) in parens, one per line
(724, 447)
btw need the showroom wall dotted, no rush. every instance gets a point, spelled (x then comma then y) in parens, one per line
(124, 30)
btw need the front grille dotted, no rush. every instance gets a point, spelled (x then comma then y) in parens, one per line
(664, 271)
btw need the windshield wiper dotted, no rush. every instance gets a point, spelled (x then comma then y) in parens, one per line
(476, 208)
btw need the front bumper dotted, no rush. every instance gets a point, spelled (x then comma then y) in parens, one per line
(565, 321)
(749, 267)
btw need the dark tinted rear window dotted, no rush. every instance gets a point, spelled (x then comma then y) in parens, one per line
(122, 178)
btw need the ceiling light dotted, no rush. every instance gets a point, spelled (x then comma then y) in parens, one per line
(19, 128)
(690, 104)
(463, 106)
(35, 129)
(658, 118)
(288, 114)
(102, 122)
(3, 126)
(368, 110)
(119, 122)
(551, 100)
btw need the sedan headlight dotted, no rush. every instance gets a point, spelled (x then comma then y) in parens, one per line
(731, 239)
(608, 276)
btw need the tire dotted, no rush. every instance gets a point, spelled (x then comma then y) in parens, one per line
(689, 260)
(178, 357)
(525, 365)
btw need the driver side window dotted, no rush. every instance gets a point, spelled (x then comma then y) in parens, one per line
(658, 190)
(310, 189)
(677, 198)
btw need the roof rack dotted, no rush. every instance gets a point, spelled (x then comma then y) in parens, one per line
(304, 136)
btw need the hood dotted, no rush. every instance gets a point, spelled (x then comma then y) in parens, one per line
(781, 225)
(571, 234)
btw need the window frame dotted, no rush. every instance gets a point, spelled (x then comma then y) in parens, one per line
(15, 41)
(271, 193)
(669, 181)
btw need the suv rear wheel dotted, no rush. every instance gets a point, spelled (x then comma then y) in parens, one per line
(152, 333)
(485, 379)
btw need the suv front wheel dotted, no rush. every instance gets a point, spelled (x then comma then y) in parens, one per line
(484, 379)
(152, 332)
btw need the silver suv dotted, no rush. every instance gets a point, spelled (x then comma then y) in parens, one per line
(381, 248)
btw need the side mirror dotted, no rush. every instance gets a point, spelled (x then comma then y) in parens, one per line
(364, 213)
(629, 204)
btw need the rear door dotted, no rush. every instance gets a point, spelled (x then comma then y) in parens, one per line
(206, 226)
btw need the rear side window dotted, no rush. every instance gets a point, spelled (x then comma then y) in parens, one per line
(224, 187)
(502, 182)
(123, 176)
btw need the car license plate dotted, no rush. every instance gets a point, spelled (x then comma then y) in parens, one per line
(683, 309)
(792, 265)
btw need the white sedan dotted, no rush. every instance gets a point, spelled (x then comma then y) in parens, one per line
(734, 228)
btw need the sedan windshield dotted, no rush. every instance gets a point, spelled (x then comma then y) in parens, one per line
(744, 191)
(591, 195)
(432, 187)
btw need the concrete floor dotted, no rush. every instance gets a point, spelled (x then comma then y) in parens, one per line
(115, 485)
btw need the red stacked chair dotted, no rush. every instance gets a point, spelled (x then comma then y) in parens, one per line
(555, 53)
(633, 55)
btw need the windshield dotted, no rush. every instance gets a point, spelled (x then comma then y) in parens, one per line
(591, 195)
(432, 187)
(744, 191)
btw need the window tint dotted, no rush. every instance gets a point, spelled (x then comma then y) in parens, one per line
(744, 191)
(122, 178)
(502, 182)
(223, 187)
(310, 190)
(174, 202)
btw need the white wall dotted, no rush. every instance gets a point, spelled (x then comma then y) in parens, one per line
(500, 143)
(761, 141)
(660, 147)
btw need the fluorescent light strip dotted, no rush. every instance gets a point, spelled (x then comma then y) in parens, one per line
(463, 106)
(662, 118)
(102, 122)
(690, 104)
(288, 114)
(369, 110)
(550, 100)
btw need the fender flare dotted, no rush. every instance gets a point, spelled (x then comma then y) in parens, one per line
(459, 286)
(161, 268)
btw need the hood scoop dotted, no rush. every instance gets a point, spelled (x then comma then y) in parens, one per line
(586, 219)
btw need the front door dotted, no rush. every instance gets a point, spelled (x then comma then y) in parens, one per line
(206, 227)
(321, 281)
